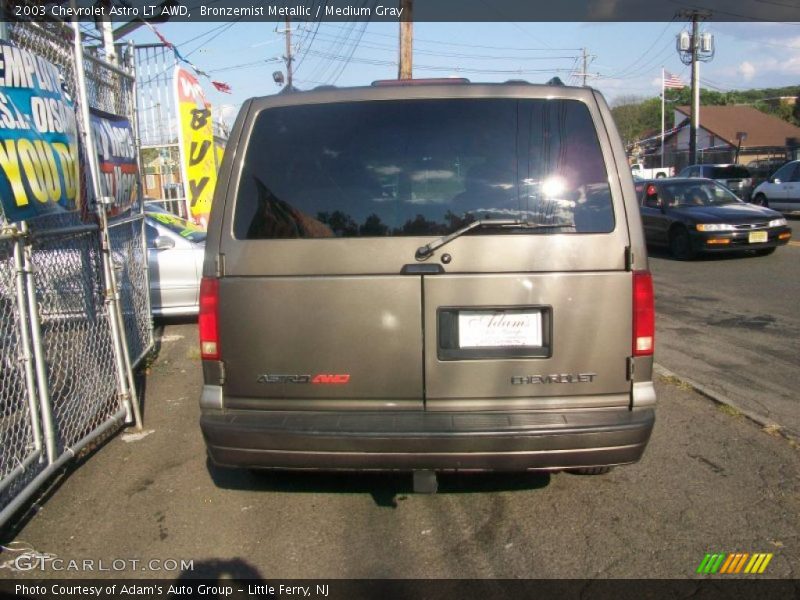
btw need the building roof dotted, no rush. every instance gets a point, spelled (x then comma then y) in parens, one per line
(762, 129)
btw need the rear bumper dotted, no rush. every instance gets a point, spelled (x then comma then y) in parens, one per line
(513, 441)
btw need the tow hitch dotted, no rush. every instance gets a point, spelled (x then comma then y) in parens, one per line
(425, 482)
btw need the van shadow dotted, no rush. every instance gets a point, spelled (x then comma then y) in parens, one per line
(225, 572)
(386, 488)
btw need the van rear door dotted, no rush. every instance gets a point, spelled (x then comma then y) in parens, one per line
(331, 304)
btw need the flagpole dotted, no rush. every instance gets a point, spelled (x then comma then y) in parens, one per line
(662, 117)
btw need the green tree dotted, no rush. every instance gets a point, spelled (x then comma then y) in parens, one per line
(626, 111)
(650, 115)
(635, 117)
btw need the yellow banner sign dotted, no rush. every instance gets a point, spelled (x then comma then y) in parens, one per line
(196, 139)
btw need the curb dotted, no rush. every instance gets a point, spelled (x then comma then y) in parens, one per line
(718, 398)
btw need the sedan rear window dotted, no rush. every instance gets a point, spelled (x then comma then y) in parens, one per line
(421, 167)
(182, 227)
(689, 193)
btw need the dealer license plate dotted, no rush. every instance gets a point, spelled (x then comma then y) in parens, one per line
(494, 329)
(757, 237)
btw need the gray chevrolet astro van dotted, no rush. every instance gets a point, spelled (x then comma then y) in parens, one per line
(426, 276)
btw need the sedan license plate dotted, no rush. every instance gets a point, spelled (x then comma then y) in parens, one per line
(757, 237)
(497, 329)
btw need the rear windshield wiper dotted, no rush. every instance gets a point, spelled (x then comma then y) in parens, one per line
(425, 251)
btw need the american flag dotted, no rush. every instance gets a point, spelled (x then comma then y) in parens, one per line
(673, 81)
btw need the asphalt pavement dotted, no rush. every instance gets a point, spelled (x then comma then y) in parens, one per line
(732, 324)
(710, 481)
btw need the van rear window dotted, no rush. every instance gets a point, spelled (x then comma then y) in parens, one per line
(421, 167)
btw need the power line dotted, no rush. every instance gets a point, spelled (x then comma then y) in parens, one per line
(205, 33)
(322, 68)
(758, 42)
(393, 48)
(311, 43)
(772, 2)
(665, 51)
(354, 46)
(732, 14)
(247, 65)
(621, 73)
(438, 68)
(461, 45)
(342, 47)
(209, 40)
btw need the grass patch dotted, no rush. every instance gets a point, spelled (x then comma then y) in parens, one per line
(729, 410)
(675, 381)
(148, 361)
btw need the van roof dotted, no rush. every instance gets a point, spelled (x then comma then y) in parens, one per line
(422, 88)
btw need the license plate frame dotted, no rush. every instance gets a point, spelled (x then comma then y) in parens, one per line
(757, 237)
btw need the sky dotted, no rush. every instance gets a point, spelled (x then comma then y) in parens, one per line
(625, 58)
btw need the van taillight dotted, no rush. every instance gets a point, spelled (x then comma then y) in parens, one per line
(644, 325)
(208, 320)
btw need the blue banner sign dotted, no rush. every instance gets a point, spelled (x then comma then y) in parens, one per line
(116, 153)
(39, 164)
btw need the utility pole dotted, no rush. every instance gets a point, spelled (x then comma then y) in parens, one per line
(695, 94)
(585, 66)
(288, 58)
(693, 49)
(587, 59)
(404, 70)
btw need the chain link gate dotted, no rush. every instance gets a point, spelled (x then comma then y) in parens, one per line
(74, 300)
(20, 431)
(130, 264)
(113, 90)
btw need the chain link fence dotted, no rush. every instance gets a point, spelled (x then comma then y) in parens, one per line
(130, 264)
(74, 329)
(20, 437)
(74, 304)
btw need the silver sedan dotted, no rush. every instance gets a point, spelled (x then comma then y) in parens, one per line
(175, 249)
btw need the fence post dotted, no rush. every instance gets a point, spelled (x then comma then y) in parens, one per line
(122, 360)
(40, 360)
(25, 339)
